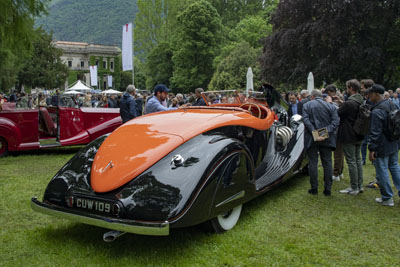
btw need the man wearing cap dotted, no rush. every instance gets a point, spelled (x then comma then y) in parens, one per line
(383, 151)
(154, 104)
(127, 105)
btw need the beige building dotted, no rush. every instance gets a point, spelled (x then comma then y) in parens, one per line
(79, 56)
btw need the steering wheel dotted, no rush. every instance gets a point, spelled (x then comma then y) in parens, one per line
(249, 108)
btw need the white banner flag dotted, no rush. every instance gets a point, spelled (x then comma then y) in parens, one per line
(93, 75)
(127, 63)
(109, 80)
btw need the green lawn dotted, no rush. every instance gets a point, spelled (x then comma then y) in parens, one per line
(285, 227)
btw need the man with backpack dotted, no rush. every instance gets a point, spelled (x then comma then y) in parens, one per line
(383, 143)
(350, 138)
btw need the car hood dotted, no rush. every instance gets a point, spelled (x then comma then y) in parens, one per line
(141, 142)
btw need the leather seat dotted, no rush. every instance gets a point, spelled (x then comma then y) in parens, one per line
(50, 126)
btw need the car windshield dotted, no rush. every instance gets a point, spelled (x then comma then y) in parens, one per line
(232, 96)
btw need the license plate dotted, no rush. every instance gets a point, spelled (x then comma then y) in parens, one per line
(94, 205)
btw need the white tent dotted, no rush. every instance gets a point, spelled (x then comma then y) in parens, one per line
(111, 92)
(79, 86)
(72, 92)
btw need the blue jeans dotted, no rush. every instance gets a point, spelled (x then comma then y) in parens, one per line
(382, 166)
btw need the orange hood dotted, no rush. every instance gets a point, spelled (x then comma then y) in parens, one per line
(140, 143)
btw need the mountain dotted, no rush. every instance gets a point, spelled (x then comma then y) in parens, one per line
(89, 21)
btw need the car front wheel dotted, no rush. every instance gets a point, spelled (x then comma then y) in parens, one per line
(3, 147)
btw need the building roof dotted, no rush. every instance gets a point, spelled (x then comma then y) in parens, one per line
(86, 48)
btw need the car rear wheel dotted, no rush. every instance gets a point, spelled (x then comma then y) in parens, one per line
(226, 221)
(3, 147)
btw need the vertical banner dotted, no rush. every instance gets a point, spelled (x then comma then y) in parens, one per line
(93, 75)
(109, 80)
(127, 63)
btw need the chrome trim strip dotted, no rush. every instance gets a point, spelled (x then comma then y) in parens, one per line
(232, 198)
(134, 227)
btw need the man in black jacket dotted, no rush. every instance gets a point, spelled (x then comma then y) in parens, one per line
(351, 141)
(199, 98)
(295, 106)
(383, 150)
(127, 105)
(318, 114)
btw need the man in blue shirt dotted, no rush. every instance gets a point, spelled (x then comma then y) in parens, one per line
(396, 99)
(154, 103)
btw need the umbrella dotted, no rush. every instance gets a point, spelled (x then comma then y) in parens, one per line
(310, 82)
(249, 81)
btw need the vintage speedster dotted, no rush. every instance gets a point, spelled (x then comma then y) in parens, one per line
(180, 168)
(25, 129)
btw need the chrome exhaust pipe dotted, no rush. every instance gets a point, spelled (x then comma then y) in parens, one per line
(112, 235)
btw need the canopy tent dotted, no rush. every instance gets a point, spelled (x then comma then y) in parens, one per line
(72, 92)
(111, 92)
(79, 86)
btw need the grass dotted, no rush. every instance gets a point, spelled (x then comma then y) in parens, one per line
(286, 226)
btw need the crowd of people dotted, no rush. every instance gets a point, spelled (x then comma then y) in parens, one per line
(328, 109)
(97, 100)
(335, 114)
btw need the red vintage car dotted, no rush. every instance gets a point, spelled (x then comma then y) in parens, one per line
(25, 129)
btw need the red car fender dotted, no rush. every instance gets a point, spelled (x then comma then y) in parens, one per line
(11, 132)
(104, 128)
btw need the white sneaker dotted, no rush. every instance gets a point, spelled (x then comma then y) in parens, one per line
(349, 191)
(335, 178)
(389, 202)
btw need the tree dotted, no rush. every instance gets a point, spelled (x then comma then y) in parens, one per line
(251, 29)
(125, 77)
(16, 26)
(233, 11)
(196, 45)
(154, 23)
(44, 68)
(231, 71)
(337, 40)
(159, 66)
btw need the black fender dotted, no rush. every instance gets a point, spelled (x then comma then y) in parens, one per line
(228, 182)
(182, 194)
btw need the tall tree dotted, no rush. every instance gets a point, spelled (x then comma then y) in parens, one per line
(233, 11)
(251, 29)
(16, 26)
(154, 23)
(44, 68)
(247, 34)
(196, 45)
(336, 40)
(231, 71)
(159, 65)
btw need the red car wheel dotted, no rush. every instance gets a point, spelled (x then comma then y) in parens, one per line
(3, 147)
